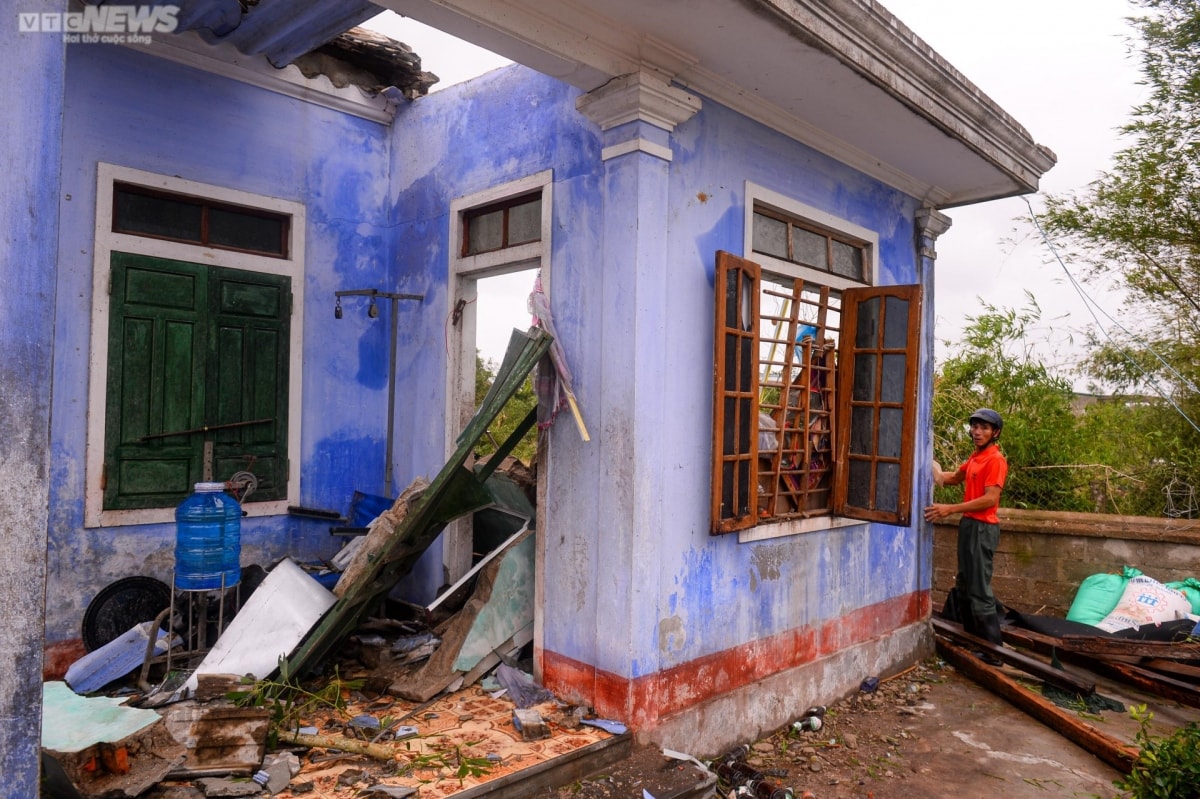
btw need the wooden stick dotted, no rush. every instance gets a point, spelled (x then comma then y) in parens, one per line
(1158, 684)
(377, 751)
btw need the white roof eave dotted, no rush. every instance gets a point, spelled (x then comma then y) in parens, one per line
(842, 76)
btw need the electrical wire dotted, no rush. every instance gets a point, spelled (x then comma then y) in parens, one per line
(1089, 303)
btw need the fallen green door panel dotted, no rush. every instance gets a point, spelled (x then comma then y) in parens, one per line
(454, 492)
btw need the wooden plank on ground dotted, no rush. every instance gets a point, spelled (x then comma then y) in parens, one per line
(1032, 666)
(1180, 670)
(1167, 687)
(1098, 645)
(1116, 753)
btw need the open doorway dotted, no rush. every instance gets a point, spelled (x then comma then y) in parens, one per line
(501, 307)
(500, 244)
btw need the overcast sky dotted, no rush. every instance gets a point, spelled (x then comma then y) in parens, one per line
(1062, 68)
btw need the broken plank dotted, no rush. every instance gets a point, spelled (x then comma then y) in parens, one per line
(1142, 679)
(1116, 753)
(1032, 666)
(1170, 667)
(377, 751)
(1160, 684)
(1098, 645)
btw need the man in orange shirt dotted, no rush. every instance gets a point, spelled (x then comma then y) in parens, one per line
(983, 478)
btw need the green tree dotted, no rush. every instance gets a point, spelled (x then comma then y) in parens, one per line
(993, 367)
(510, 417)
(1138, 226)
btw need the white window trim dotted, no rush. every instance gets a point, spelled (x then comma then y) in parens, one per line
(106, 242)
(463, 274)
(760, 195)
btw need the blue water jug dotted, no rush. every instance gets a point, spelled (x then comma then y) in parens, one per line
(208, 540)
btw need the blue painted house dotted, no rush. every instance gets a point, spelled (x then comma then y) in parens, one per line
(733, 212)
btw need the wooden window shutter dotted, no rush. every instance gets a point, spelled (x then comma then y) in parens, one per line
(735, 395)
(156, 362)
(877, 403)
(193, 346)
(248, 376)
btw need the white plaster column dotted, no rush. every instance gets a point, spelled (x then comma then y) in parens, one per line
(636, 114)
(929, 223)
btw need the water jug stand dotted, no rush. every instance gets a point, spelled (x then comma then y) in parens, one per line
(196, 626)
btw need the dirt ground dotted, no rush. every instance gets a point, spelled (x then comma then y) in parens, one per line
(927, 733)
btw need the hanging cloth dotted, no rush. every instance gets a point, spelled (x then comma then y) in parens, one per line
(553, 381)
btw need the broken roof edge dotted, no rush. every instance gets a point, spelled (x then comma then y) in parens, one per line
(190, 49)
(869, 39)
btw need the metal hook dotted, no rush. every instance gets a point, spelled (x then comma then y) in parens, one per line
(337, 309)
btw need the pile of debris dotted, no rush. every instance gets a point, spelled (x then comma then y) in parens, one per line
(396, 697)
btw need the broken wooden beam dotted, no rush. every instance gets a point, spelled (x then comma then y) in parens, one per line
(1143, 679)
(1173, 669)
(1032, 666)
(1160, 684)
(1116, 753)
(1098, 645)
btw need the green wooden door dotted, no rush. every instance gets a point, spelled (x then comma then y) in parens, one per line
(197, 355)
(247, 382)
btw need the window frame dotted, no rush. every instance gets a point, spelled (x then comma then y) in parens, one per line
(758, 197)
(106, 242)
(206, 206)
(505, 206)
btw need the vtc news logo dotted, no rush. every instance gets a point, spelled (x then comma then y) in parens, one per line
(101, 23)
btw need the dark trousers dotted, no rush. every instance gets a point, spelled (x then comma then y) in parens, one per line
(977, 542)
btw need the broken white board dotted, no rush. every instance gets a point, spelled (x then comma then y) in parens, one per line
(274, 620)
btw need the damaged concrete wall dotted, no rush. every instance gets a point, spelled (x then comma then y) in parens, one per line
(133, 110)
(643, 614)
(32, 101)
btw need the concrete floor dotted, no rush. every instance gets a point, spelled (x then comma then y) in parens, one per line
(970, 743)
(963, 742)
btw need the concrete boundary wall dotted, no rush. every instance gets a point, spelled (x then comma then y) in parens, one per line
(1043, 556)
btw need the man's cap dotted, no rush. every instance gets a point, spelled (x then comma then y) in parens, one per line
(989, 416)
